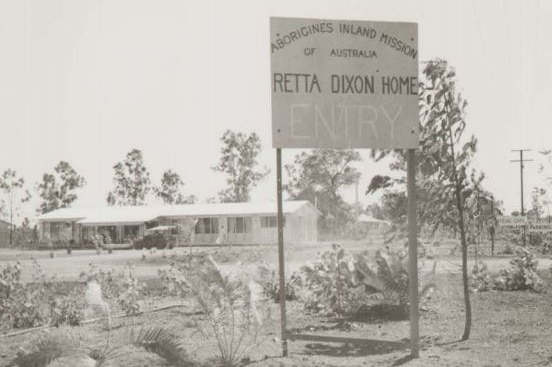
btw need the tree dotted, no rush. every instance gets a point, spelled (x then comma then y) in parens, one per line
(131, 180)
(57, 190)
(14, 195)
(545, 171)
(239, 162)
(538, 202)
(319, 176)
(169, 190)
(448, 190)
(538, 212)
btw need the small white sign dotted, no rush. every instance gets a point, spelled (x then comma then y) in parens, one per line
(512, 221)
(540, 227)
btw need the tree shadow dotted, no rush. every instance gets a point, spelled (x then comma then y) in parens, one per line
(370, 348)
(451, 342)
(373, 314)
(403, 360)
(381, 312)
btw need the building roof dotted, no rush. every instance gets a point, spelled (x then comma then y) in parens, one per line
(365, 218)
(119, 215)
(64, 214)
(230, 209)
(140, 214)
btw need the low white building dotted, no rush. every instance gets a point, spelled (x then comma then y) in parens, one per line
(373, 226)
(229, 223)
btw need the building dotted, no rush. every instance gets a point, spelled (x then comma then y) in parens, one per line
(4, 233)
(228, 223)
(372, 226)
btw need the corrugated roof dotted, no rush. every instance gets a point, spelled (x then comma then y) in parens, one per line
(140, 214)
(119, 215)
(64, 214)
(365, 218)
(229, 209)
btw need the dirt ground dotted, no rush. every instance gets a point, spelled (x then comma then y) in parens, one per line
(509, 328)
(147, 263)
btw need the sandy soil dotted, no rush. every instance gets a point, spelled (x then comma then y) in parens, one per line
(509, 328)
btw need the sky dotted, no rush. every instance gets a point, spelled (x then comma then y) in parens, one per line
(87, 81)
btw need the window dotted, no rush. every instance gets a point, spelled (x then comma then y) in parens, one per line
(239, 225)
(270, 222)
(54, 230)
(131, 231)
(207, 226)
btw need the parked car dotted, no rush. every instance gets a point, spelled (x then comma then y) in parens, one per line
(155, 239)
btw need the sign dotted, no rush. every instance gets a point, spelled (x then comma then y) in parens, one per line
(344, 84)
(541, 227)
(512, 221)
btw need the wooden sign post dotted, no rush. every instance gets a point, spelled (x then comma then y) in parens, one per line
(345, 84)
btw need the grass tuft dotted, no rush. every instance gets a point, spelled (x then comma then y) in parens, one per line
(44, 348)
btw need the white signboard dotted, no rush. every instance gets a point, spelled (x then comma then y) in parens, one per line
(512, 221)
(344, 84)
(540, 227)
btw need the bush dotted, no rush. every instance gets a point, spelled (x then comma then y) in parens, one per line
(43, 349)
(233, 310)
(24, 305)
(331, 284)
(481, 280)
(521, 276)
(59, 348)
(36, 303)
(122, 287)
(130, 292)
(68, 309)
(339, 284)
(270, 283)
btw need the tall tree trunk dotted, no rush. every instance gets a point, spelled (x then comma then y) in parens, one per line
(11, 222)
(460, 207)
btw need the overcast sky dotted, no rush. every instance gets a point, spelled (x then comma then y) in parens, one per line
(87, 81)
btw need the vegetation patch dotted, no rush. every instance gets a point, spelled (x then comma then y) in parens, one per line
(521, 276)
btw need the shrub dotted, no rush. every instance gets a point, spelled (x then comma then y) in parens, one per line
(270, 282)
(130, 292)
(233, 310)
(330, 283)
(337, 283)
(154, 339)
(105, 278)
(24, 304)
(481, 280)
(522, 275)
(68, 309)
(390, 281)
(122, 287)
(38, 302)
(44, 348)
(58, 348)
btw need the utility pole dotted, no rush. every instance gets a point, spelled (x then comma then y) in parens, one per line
(521, 166)
(492, 228)
(357, 205)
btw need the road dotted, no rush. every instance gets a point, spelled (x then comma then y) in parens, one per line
(68, 267)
